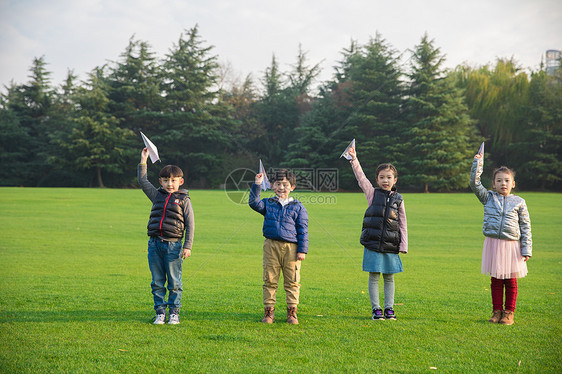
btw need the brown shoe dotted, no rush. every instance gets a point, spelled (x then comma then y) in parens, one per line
(507, 318)
(292, 315)
(496, 316)
(269, 315)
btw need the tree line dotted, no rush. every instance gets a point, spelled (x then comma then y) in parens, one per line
(404, 108)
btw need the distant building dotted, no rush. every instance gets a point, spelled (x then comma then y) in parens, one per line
(552, 61)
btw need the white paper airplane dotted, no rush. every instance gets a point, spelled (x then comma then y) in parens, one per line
(152, 150)
(481, 150)
(265, 182)
(346, 152)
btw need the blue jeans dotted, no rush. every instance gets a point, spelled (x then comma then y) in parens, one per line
(165, 263)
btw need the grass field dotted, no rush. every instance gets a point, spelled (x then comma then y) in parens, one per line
(75, 290)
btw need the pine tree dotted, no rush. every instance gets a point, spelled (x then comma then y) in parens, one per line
(277, 113)
(439, 140)
(62, 122)
(192, 126)
(537, 156)
(362, 102)
(135, 91)
(30, 107)
(97, 143)
(377, 96)
(243, 129)
(14, 150)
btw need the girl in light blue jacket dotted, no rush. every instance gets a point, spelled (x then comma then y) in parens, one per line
(507, 243)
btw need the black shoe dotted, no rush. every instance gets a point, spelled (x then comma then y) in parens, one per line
(377, 314)
(389, 313)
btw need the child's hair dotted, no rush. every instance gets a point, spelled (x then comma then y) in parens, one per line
(282, 174)
(391, 167)
(171, 171)
(504, 169)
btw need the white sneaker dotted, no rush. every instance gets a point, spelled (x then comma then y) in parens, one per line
(160, 319)
(174, 319)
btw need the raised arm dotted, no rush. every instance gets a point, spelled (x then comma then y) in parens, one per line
(149, 190)
(475, 183)
(362, 180)
(255, 192)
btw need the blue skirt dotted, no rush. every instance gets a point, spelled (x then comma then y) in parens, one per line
(377, 262)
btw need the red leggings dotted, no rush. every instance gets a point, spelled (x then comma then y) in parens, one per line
(510, 293)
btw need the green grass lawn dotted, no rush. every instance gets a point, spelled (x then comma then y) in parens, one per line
(75, 290)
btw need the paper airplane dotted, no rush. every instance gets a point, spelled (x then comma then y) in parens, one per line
(152, 150)
(346, 152)
(265, 182)
(481, 150)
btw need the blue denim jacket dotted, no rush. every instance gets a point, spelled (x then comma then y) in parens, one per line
(287, 223)
(505, 217)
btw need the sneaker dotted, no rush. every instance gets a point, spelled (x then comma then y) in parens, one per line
(389, 313)
(174, 319)
(160, 319)
(377, 314)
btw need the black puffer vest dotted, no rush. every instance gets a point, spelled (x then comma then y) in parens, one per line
(381, 223)
(166, 218)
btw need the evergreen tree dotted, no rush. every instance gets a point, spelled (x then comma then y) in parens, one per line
(277, 113)
(363, 102)
(135, 87)
(30, 107)
(192, 127)
(537, 156)
(243, 130)
(439, 137)
(376, 92)
(286, 100)
(62, 122)
(14, 151)
(97, 143)
(323, 132)
(302, 76)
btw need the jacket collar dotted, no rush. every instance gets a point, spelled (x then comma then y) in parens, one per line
(292, 200)
(180, 192)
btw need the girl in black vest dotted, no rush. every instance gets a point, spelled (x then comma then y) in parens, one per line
(384, 234)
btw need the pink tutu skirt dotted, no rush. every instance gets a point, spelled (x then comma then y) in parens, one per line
(502, 259)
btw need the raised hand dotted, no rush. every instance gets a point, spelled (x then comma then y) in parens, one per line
(259, 178)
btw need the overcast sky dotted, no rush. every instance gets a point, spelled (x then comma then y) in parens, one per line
(83, 34)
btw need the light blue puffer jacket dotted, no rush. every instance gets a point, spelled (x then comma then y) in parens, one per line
(505, 217)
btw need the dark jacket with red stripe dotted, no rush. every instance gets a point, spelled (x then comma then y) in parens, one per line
(166, 217)
(171, 216)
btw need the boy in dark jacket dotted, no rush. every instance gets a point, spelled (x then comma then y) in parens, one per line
(285, 228)
(171, 216)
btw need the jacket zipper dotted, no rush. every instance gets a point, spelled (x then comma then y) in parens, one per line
(164, 213)
(503, 217)
(383, 232)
